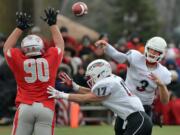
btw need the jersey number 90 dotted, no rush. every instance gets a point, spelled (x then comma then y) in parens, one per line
(38, 69)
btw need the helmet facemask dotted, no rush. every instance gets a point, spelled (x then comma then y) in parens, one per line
(158, 45)
(90, 81)
(153, 58)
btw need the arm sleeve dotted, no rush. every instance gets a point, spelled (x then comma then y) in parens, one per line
(116, 55)
(167, 79)
(56, 54)
(12, 56)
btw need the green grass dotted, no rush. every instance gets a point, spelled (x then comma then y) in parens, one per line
(99, 130)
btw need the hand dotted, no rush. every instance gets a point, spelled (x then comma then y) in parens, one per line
(156, 79)
(50, 16)
(56, 94)
(53, 92)
(23, 20)
(66, 79)
(101, 43)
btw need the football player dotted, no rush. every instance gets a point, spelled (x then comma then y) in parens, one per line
(34, 70)
(112, 92)
(145, 74)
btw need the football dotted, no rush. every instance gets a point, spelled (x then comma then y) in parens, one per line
(79, 9)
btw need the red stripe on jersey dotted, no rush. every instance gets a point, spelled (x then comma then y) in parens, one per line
(15, 124)
(53, 123)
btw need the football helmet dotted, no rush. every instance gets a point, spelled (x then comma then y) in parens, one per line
(158, 44)
(32, 45)
(97, 70)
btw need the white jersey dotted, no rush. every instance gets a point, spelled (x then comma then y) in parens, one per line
(121, 101)
(137, 77)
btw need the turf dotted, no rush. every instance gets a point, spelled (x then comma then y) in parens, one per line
(99, 130)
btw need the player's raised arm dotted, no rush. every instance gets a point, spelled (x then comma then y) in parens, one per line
(51, 19)
(112, 52)
(23, 23)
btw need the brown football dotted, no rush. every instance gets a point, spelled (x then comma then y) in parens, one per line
(79, 9)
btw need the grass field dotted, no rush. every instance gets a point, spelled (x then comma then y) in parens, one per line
(99, 130)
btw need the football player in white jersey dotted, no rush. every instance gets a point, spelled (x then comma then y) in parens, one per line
(145, 74)
(112, 92)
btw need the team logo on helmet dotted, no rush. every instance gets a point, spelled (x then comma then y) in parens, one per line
(32, 45)
(97, 70)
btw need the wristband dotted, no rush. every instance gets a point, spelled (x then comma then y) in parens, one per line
(75, 86)
(64, 95)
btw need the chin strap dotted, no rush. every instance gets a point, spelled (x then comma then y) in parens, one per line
(151, 63)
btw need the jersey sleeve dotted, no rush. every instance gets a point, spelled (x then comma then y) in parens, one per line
(115, 54)
(12, 56)
(101, 89)
(133, 56)
(55, 50)
(167, 77)
(56, 53)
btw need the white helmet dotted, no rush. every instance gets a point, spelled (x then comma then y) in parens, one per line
(97, 70)
(157, 44)
(32, 45)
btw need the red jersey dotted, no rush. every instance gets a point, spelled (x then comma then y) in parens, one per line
(34, 75)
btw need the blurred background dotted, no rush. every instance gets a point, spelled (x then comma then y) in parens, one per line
(117, 17)
(126, 24)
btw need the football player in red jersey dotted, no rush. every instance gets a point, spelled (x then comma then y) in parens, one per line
(34, 70)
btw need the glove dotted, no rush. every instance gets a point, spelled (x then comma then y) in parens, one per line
(50, 16)
(68, 81)
(56, 94)
(23, 21)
